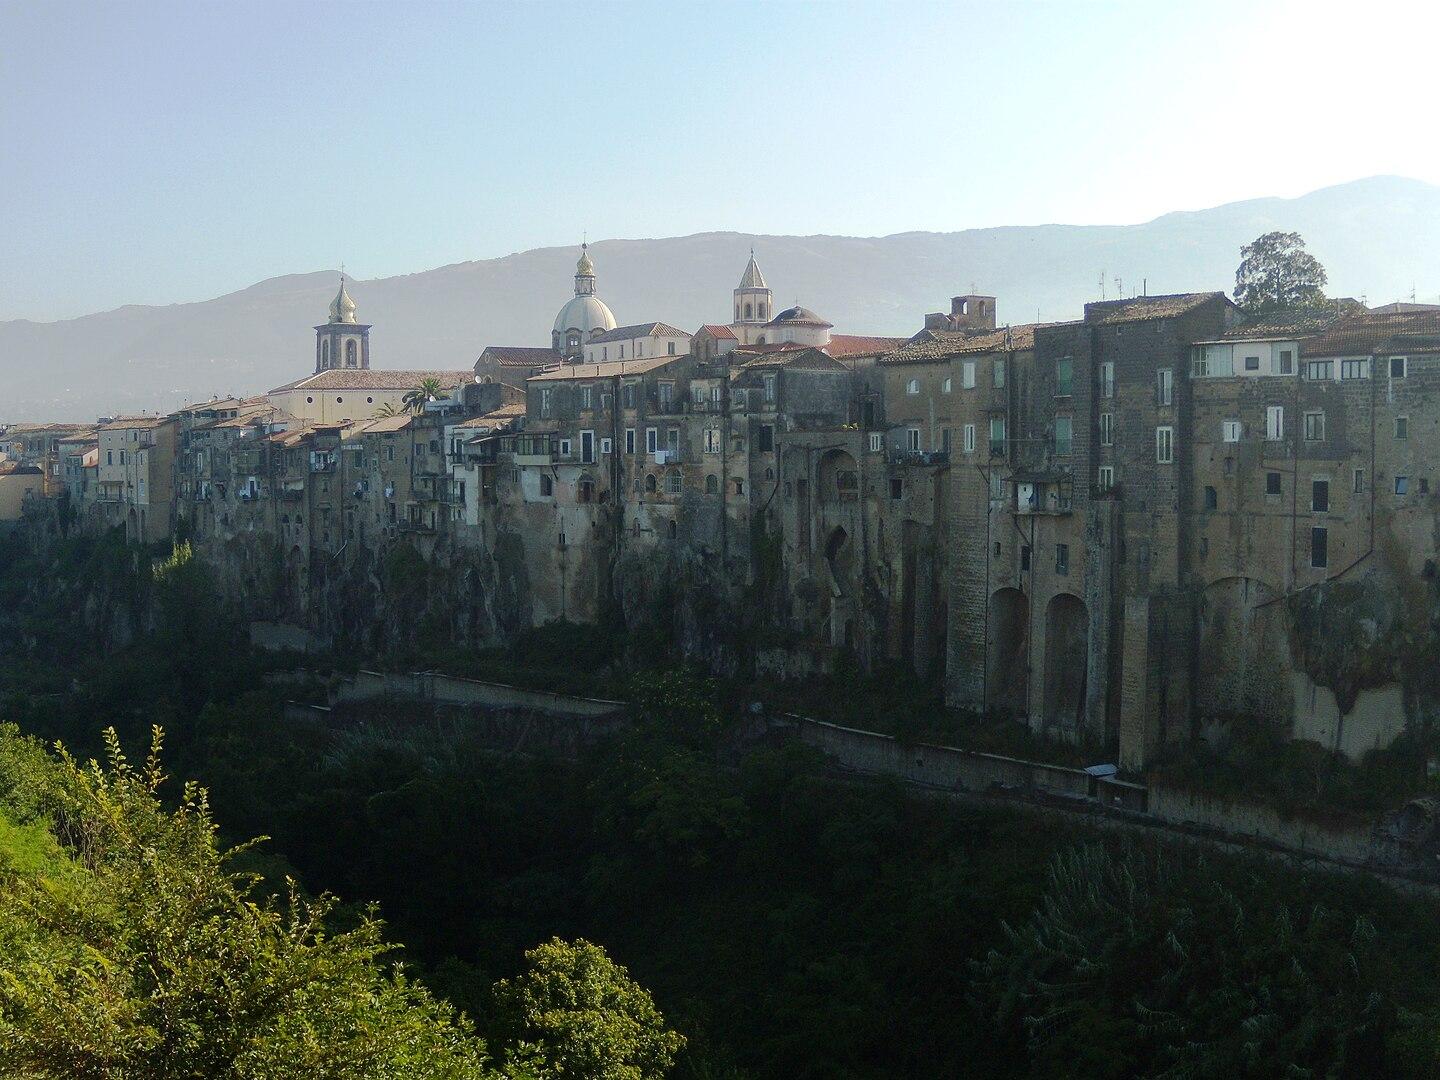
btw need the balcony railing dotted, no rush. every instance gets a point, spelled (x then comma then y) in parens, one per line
(921, 457)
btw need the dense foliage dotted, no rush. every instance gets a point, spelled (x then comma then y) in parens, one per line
(788, 922)
(1276, 273)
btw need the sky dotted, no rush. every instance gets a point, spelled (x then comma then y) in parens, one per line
(168, 152)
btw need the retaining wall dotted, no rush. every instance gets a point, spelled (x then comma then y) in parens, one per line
(450, 690)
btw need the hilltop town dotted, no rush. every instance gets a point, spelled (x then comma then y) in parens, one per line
(1126, 528)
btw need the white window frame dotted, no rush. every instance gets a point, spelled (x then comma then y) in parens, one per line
(607, 447)
(912, 386)
(1230, 431)
(912, 439)
(969, 438)
(1404, 367)
(877, 442)
(1165, 445)
(1107, 379)
(1314, 425)
(967, 374)
(946, 385)
(1105, 478)
(1107, 429)
(629, 440)
(652, 440)
(1164, 386)
(1274, 423)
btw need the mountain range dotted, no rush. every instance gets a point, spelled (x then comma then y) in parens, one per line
(1379, 238)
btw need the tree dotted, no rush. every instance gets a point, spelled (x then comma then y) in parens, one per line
(1276, 273)
(386, 409)
(427, 389)
(131, 949)
(577, 1015)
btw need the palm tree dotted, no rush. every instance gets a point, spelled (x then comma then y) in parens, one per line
(427, 389)
(387, 409)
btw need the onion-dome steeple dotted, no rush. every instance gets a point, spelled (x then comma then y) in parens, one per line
(342, 308)
(585, 273)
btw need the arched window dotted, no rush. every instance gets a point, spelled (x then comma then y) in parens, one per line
(573, 340)
(712, 485)
(760, 310)
(350, 354)
(747, 311)
(650, 482)
(737, 312)
(674, 483)
(325, 353)
(672, 529)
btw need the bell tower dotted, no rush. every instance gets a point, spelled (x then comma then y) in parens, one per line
(341, 342)
(752, 307)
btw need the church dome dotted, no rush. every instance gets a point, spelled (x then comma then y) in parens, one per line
(799, 316)
(585, 266)
(342, 308)
(586, 314)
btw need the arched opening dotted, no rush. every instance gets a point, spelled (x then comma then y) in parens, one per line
(1238, 621)
(760, 311)
(1007, 677)
(650, 482)
(712, 485)
(674, 529)
(748, 314)
(674, 482)
(1067, 653)
(350, 355)
(325, 353)
(839, 477)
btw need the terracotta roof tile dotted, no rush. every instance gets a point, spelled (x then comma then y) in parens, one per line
(860, 345)
(1142, 308)
(639, 330)
(520, 356)
(604, 370)
(720, 333)
(374, 379)
(929, 346)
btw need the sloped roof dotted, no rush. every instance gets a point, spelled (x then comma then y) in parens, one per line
(806, 358)
(798, 316)
(1412, 331)
(929, 346)
(137, 422)
(383, 424)
(752, 278)
(495, 418)
(374, 379)
(721, 333)
(1142, 308)
(520, 355)
(639, 330)
(603, 370)
(861, 345)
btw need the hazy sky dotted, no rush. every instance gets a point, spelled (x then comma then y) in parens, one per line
(158, 152)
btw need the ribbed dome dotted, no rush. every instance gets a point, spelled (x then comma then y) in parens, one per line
(585, 266)
(342, 308)
(799, 316)
(584, 313)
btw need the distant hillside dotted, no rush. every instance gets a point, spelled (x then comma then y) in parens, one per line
(1378, 237)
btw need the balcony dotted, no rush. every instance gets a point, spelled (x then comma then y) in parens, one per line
(920, 457)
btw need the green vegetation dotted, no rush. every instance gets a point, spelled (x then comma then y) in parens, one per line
(1277, 274)
(787, 922)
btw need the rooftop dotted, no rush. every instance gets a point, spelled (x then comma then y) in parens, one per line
(639, 330)
(930, 345)
(374, 379)
(861, 345)
(1143, 308)
(798, 316)
(520, 355)
(603, 370)
(720, 333)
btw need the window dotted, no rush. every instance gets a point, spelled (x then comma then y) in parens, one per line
(1230, 430)
(767, 439)
(1359, 485)
(967, 374)
(1252, 363)
(607, 447)
(1274, 423)
(1064, 375)
(1319, 548)
(587, 490)
(1212, 500)
(945, 385)
(997, 485)
(1062, 559)
(1319, 370)
(913, 386)
(1024, 558)
(672, 441)
(1199, 362)
(1105, 480)
(1164, 445)
(1107, 379)
(770, 389)
(947, 440)
(912, 438)
(1314, 427)
(627, 395)
(997, 374)
(1164, 386)
(564, 447)
(629, 440)
(650, 482)
(390, 452)
(739, 487)
(670, 348)
(110, 457)
(122, 457)
(877, 442)
(547, 485)
(1354, 369)
(897, 488)
(604, 352)
(1402, 427)
(652, 440)
(587, 447)
(1272, 483)
(1397, 367)
(1402, 485)
(1283, 363)
(712, 484)
(997, 436)
(712, 440)
(667, 395)
(1064, 435)
(1107, 429)
(585, 398)
(1320, 495)
(546, 398)
(622, 352)
(674, 483)
(969, 438)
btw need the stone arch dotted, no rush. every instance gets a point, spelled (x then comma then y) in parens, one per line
(1007, 663)
(1067, 656)
(838, 477)
(1244, 652)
